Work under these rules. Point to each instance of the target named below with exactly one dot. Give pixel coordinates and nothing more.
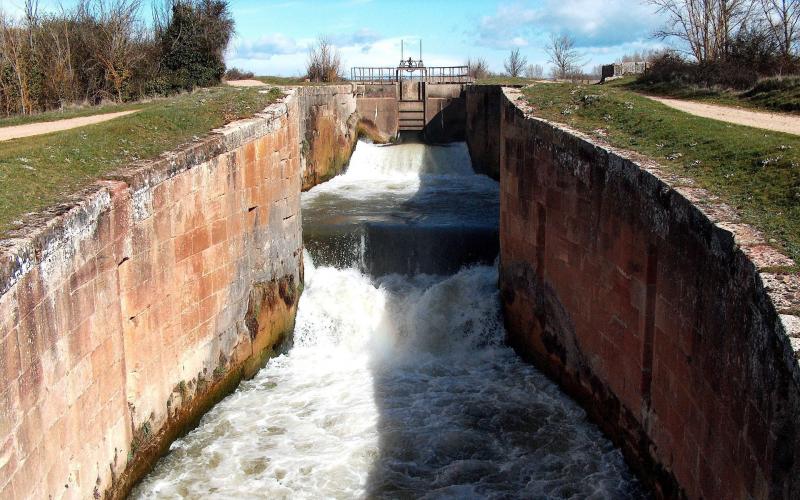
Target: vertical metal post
(402, 43)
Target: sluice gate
(413, 97)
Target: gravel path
(31, 129)
(245, 83)
(778, 122)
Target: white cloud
(362, 37)
(590, 22)
(508, 27)
(361, 50)
(266, 47)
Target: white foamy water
(396, 387)
(410, 185)
(396, 160)
(378, 170)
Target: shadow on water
(450, 220)
(458, 414)
(399, 384)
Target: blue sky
(273, 35)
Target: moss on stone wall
(328, 148)
(367, 129)
(270, 321)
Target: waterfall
(412, 208)
(398, 384)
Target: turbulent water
(396, 386)
(404, 208)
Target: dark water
(424, 211)
(399, 384)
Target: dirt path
(31, 129)
(246, 83)
(778, 122)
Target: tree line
(730, 43)
(718, 42)
(104, 50)
(567, 63)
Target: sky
(273, 36)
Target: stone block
(719, 346)
(201, 239)
(122, 316)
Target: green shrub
(194, 41)
(238, 74)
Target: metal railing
(373, 75)
(430, 74)
(448, 74)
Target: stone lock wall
(128, 315)
(483, 105)
(445, 116)
(651, 304)
(328, 131)
(378, 110)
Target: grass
(294, 81)
(755, 171)
(37, 172)
(505, 80)
(769, 94)
(282, 80)
(780, 94)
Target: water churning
(398, 383)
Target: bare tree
(15, 54)
(566, 59)
(648, 55)
(100, 49)
(515, 63)
(731, 16)
(782, 18)
(477, 67)
(705, 26)
(534, 71)
(116, 39)
(324, 62)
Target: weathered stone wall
(127, 316)
(328, 131)
(445, 113)
(650, 302)
(622, 69)
(381, 113)
(483, 105)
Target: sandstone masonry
(649, 302)
(129, 312)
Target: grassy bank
(37, 172)
(283, 80)
(772, 94)
(756, 171)
(504, 80)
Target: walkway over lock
(408, 97)
(433, 74)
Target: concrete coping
(782, 289)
